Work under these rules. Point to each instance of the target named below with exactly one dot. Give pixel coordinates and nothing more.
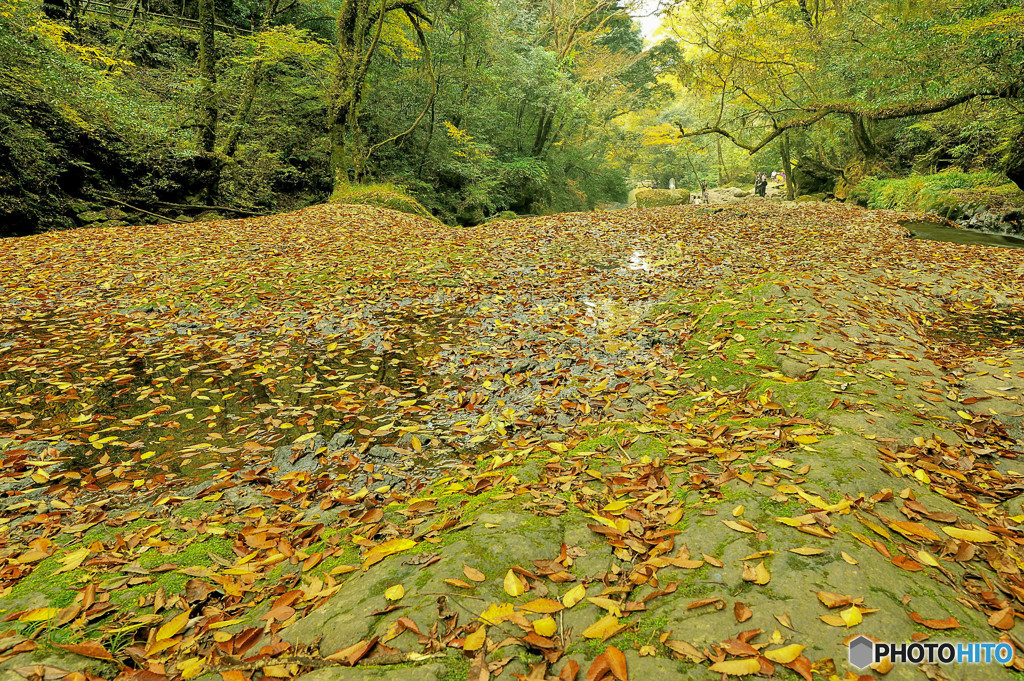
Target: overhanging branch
(890, 112)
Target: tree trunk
(721, 163)
(207, 78)
(252, 84)
(1014, 161)
(787, 167)
(207, 118)
(861, 137)
(543, 130)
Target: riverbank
(709, 438)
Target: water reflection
(935, 231)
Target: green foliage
(931, 192)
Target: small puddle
(935, 231)
(183, 405)
(993, 327)
(638, 262)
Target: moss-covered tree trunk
(206, 119)
(359, 27)
(1014, 160)
(252, 85)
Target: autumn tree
(768, 69)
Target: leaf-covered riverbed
(658, 444)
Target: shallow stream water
(936, 231)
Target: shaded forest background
(466, 109)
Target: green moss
(656, 198)
(456, 668)
(934, 192)
(382, 196)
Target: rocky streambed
(680, 442)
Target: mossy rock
(503, 215)
(381, 196)
(809, 198)
(657, 198)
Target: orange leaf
(617, 662)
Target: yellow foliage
(665, 134)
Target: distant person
(775, 175)
(704, 191)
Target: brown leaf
(87, 649)
(599, 668)
(906, 563)
(685, 650)
(1002, 619)
(569, 671)
(948, 623)
(741, 612)
(473, 574)
(830, 599)
(617, 662)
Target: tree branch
(822, 109)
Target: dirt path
(681, 441)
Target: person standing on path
(704, 192)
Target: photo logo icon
(862, 652)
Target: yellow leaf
(191, 668)
(785, 655)
(807, 551)
(737, 512)
(73, 560)
(758, 575)
(394, 593)
(970, 535)
(476, 640)
(737, 667)
(603, 628)
(227, 623)
(852, 616)
(38, 615)
(574, 595)
(848, 558)
(496, 613)
(806, 439)
(514, 586)
(546, 626)
(927, 558)
(173, 627)
(606, 604)
(542, 606)
(382, 551)
(740, 527)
